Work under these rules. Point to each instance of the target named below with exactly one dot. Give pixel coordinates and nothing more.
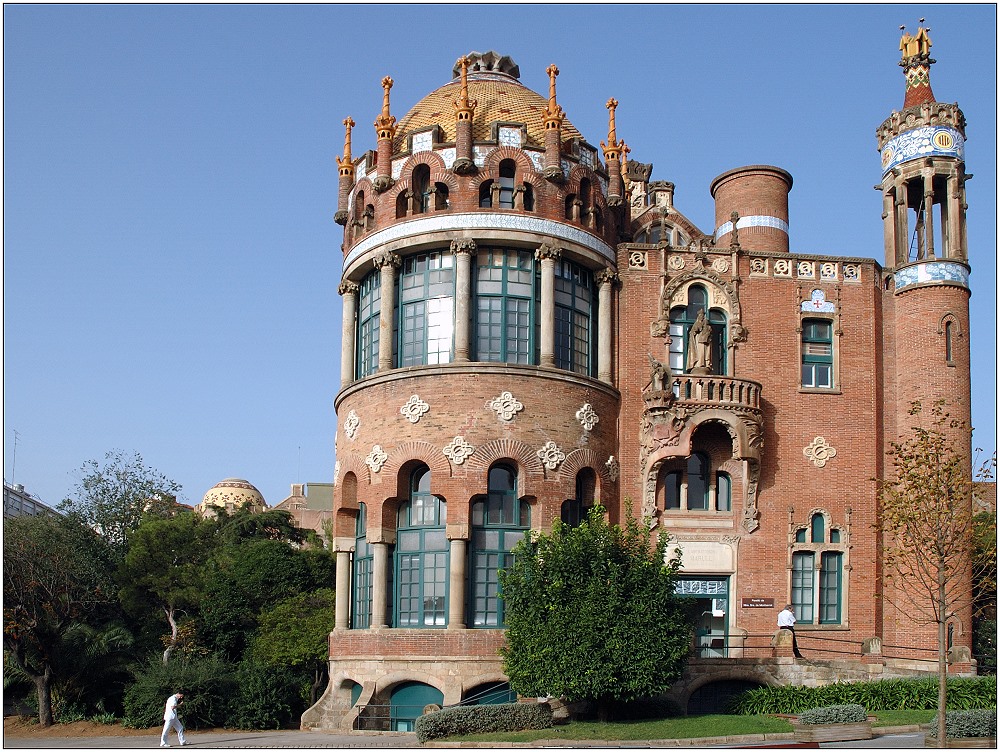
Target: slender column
(606, 279)
(684, 496)
(380, 584)
(464, 250)
(342, 610)
(548, 255)
(348, 338)
(902, 233)
(711, 496)
(386, 263)
(954, 244)
(456, 584)
(929, 213)
(889, 228)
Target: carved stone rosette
(351, 424)
(458, 450)
(551, 455)
(414, 408)
(506, 406)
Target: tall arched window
(689, 486)
(420, 184)
(948, 344)
(574, 511)
(498, 523)
(723, 492)
(682, 318)
(574, 300)
(370, 297)
(421, 567)
(426, 305)
(505, 299)
(361, 618)
(507, 172)
(817, 592)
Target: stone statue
(660, 375)
(699, 358)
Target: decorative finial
(913, 45)
(613, 146)
(385, 123)
(463, 106)
(553, 112)
(346, 160)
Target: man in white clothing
(171, 721)
(786, 620)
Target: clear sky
(170, 257)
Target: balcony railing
(724, 391)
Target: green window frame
(361, 616)
(369, 303)
(817, 354)
(830, 582)
(499, 522)
(506, 301)
(723, 492)
(817, 527)
(420, 573)
(803, 575)
(574, 304)
(425, 309)
(682, 318)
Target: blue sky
(170, 256)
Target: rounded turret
(758, 194)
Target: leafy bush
(885, 694)
(105, 719)
(207, 683)
(984, 646)
(835, 714)
(483, 719)
(266, 699)
(962, 724)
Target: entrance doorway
(710, 596)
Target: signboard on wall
(757, 603)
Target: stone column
(889, 226)
(348, 338)
(387, 263)
(342, 619)
(380, 584)
(606, 278)
(548, 255)
(929, 213)
(456, 583)
(464, 251)
(902, 226)
(954, 234)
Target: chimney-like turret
(385, 130)
(554, 117)
(464, 110)
(612, 157)
(346, 165)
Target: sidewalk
(900, 738)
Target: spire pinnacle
(345, 161)
(916, 63)
(612, 148)
(385, 124)
(463, 106)
(553, 113)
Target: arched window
(818, 526)
(426, 309)
(506, 295)
(421, 566)
(584, 197)
(672, 489)
(948, 345)
(697, 482)
(361, 618)
(441, 200)
(570, 206)
(817, 592)
(369, 303)
(499, 522)
(486, 194)
(690, 485)
(420, 184)
(575, 510)
(402, 204)
(682, 319)
(528, 197)
(507, 172)
(574, 299)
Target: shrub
(265, 699)
(105, 719)
(483, 719)
(835, 714)
(963, 724)
(207, 683)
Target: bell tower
(926, 281)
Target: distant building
(311, 506)
(18, 502)
(231, 494)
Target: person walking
(786, 620)
(171, 721)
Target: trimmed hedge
(483, 719)
(963, 724)
(835, 714)
(884, 694)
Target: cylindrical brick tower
(759, 194)
(926, 287)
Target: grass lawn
(902, 717)
(691, 727)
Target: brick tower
(926, 277)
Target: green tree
(164, 569)
(592, 614)
(928, 531)
(295, 633)
(112, 497)
(57, 574)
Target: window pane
(697, 480)
(672, 490)
(829, 588)
(802, 586)
(723, 493)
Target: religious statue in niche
(699, 359)
(660, 375)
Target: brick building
(531, 325)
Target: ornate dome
(499, 96)
(232, 494)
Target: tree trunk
(942, 659)
(43, 687)
(169, 611)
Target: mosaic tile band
(935, 271)
(754, 221)
(470, 223)
(930, 140)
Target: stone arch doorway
(407, 703)
(716, 696)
